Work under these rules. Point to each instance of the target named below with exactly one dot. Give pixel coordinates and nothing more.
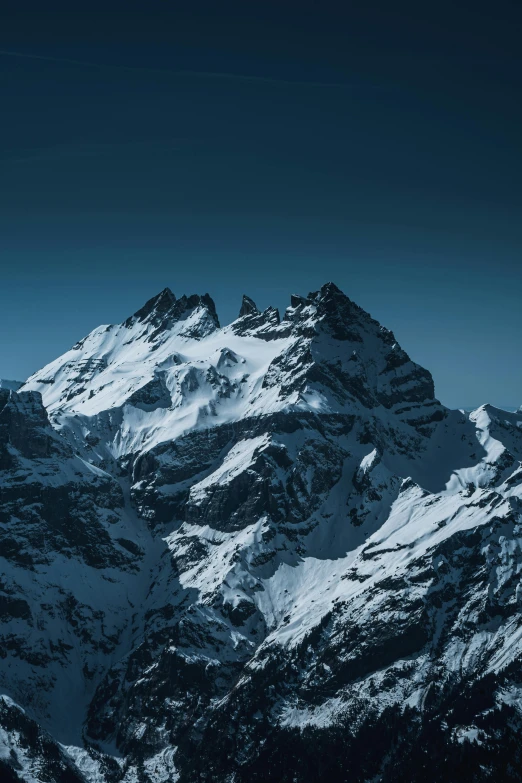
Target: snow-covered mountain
(258, 552)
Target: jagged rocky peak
(248, 307)
(251, 321)
(165, 309)
(159, 304)
(342, 350)
(330, 306)
(330, 310)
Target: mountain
(256, 552)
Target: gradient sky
(266, 148)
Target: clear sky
(266, 148)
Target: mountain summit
(263, 551)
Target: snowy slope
(272, 538)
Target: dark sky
(266, 147)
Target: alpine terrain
(258, 552)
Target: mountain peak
(329, 290)
(164, 309)
(248, 307)
(206, 301)
(256, 323)
(330, 297)
(159, 304)
(329, 304)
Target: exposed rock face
(258, 552)
(248, 307)
(164, 310)
(62, 539)
(25, 431)
(251, 320)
